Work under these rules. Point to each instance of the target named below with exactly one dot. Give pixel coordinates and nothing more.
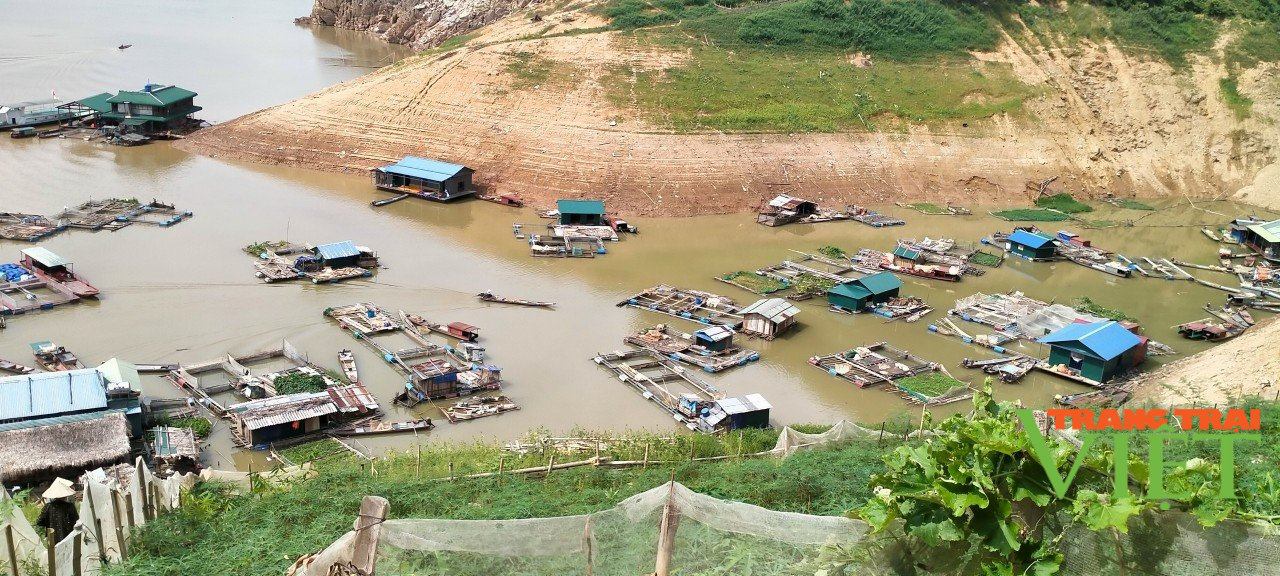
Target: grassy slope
(261, 534)
(785, 66)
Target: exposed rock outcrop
(418, 23)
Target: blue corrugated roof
(57, 420)
(424, 168)
(345, 249)
(1034, 241)
(51, 393)
(1106, 340)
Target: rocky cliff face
(418, 23)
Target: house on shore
(1098, 351)
(425, 178)
(61, 423)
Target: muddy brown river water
(187, 293)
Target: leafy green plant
(806, 283)
(1238, 103)
(1088, 306)
(985, 259)
(1031, 215)
(296, 383)
(928, 208)
(1063, 203)
(832, 252)
(928, 385)
(755, 282)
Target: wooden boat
(620, 225)
(55, 269)
(348, 362)
(1211, 234)
(459, 330)
(489, 297)
(385, 201)
(24, 132)
(549, 214)
(15, 368)
(503, 199)
(1210, 331)
(54, 358)
(474, 408)
(384, 428)
(51, 133)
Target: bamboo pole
(551, 462)
(502, 461)
(77, 554)
(115, 510)
(51, 552)
(587, 539)
(102, 546)
(128, 510)
(667, 533)
(417, 467)
(13, 554)
(645, 466)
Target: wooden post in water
(667, 532)
(51, 552)
(12, 552)
(373, 512)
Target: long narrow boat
(460, 330)
(55, 269)
(489, 297)
(384, 428)
(15, 368)
(54, 358)
(348, 362)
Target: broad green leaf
(996, 533)
(997, 568)
(959, 497)
(1099, 512)
(878, 513)
(933, 533)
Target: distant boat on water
(124, 46)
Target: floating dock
(683, 348)
(27, 227)
(33, 294)
(877, 363)
(695, 305)
(475, 408)
(873, 218)
(650, 374)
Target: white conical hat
(61, 488)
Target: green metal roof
(45, 257)
(580, 206)
(880, 283)
(904, 252)
(1269, 232)
(98, 102)
(156, 96)
(849, 291)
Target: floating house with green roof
(581, 212)
(856, 295)
(1265, 238)
(153, 109)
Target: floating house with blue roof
(1096, 350)
(425, 178)
(1031, 245)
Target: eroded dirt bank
(1104, 122)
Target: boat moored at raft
(54, 358)
(348, 362)
(54, 269)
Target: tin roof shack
(1031, 246)
(784, 210)
(581, 212)
(345, 254)
(856, 295)
(153, 109)
(750, 411)
(124, 392)
(1265, 238)
(266, 420)
(768, 318)
(714, 338)
(33, 451)
(50, 267)
(51, 394)
(425, 178)
(174, 451)
(1097, 351)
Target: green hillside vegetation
(216, 533)
(786, 66)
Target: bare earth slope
(1248, 365)
(1105, 122)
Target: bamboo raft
(877, 363)
(682, 348)
(695, 305)
(475, 408)
(27, 227)
(649, 373)
(873, 218)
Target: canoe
(384, 428)
(348, 362)
(489, 297)
(385, 201)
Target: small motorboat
(54, 358)
(24, 132)
(503, 199)
(124, 46)
(348, 362)
(15, 368)
(489, 297)
(459, 330)
(384, 428)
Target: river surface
(187, 293)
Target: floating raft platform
(276, 268)
(33, 294)
(877, 363)
(551, 246)
(597, 232)
(683, 348)
(873, 218)
(476, 408)
(27, 227)
(695, 305)
(115, 213)
(364, 319)
(649, 373)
